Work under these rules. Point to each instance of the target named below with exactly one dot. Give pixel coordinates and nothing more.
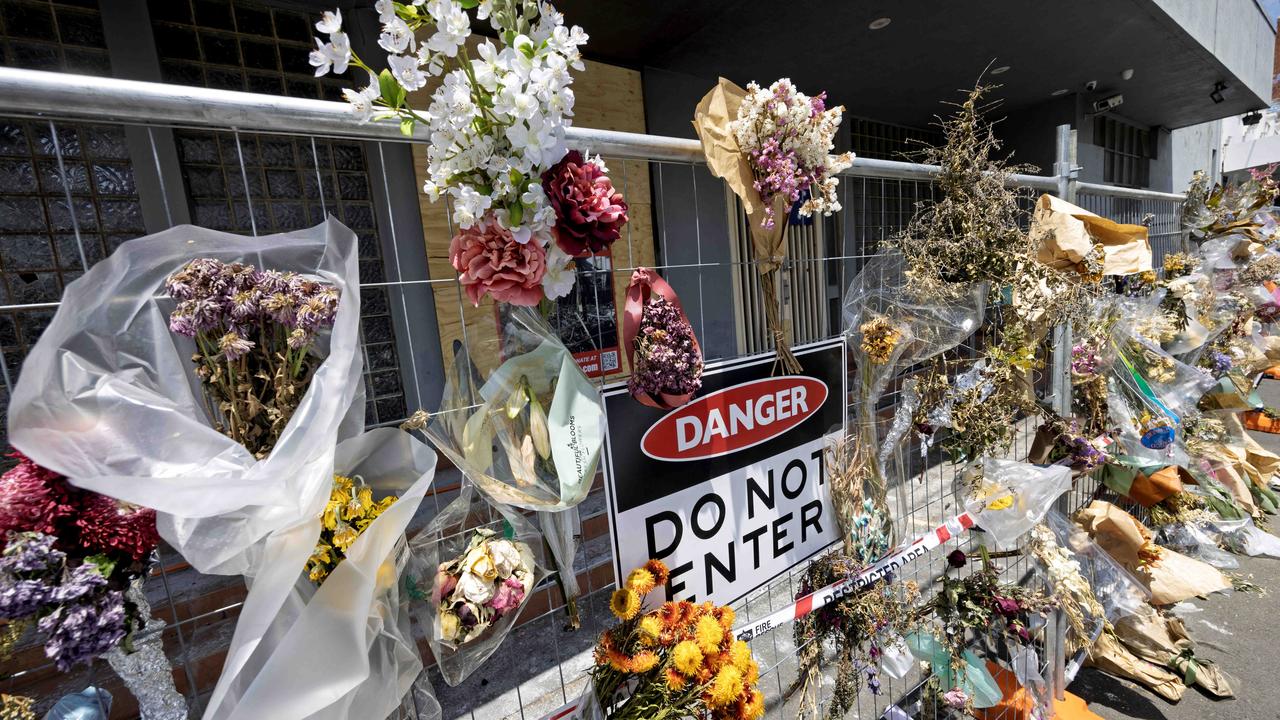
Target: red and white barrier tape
(887, 565)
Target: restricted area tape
(955, 527)
(887, 565)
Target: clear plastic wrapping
(1015, 496)
(344, 649)
(108, 397)
(528, 431)
(448, 538)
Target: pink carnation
(509, 596)
(107, 525)
(34, 499)
(489, 260)
(589, 212)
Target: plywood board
(608, 98)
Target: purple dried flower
(1220, 362)
(21, 598)
(282, 307)
(299, 339)
(205, 312)
(31, 553)
(316, 312)
(233, 346)
(244, 305)
(1084, 360)
(240, 277)
(81, 581)
(80, 632)
(666, 360)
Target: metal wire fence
(541, 665)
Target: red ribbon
(644, 284)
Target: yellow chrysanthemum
(753, 673)
(650, 629)
(640, 581)
(708, 634)
(643, 661)
(625, 603)
(687, 657)
(740, 655)
(726, 687)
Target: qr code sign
(609, 361)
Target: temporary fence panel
(541, 666)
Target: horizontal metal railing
(50, 94)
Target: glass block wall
(51, 230)
(291, 183)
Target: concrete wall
(1193, 148)
(1237, 32)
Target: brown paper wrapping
(1163, 640)
(713, 121)
(1110, 656)
(1174, 578)
(1147, 490)
(1065, 234)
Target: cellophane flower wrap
(662, 349)
(523, 204)
(110, 398)
(341, 648)
(523, 422)
(472, 570)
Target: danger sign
(729, 490)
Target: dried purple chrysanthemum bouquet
(254, 330)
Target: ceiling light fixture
(1216, 94)
(1126, 74)
(1000, 70)
(1059, 92)
(880, 23)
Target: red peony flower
(107, 524)
(489, 260)
(34, 499)
(589, 212)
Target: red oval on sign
(734, 418)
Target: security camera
(1108, 103)
(1091, 85)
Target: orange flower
(658, 570)
(675, 680)
(643, 661)
(726, 616)
(751, 705)
(753, 673)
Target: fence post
(1066, 172)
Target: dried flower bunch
(978, 601)
(1072, 593)
(667, 359)
(973, 233)
(254, 331)
(1072, 447)
(1261, 269)
(1089, 398)
(859, 497)
(1230, 209)
(680, 660)
(351, 509)
(68, 556)
(17, 707)
(856, 627)
(524, 206)
(787, 136)
(487, 582)
(879, 339)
